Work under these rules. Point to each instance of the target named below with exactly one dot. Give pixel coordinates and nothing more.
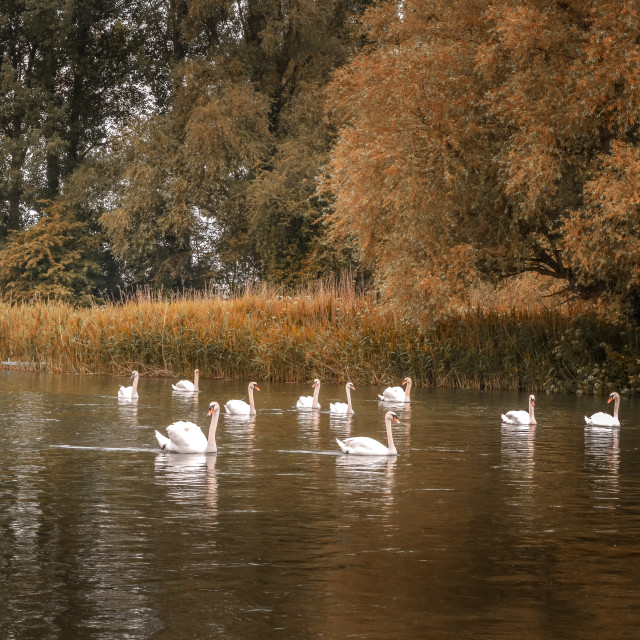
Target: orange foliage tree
(480, 141)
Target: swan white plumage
(363, 446)
(343, 407)
(397, 394)
(310, 402)
(602, 419)
(187, 437)
(521, 416)
(240, 407)
(130, 393)
(186, 386)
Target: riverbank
(333, 334)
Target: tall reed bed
(330, 332)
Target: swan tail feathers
(381, 397)
(342, 446)
(163, 441)
(504, 418)
(587, 420)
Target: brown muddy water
(474, 530)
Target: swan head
(213, 407)
(407, 380)
(134, 374)
(392, 416)
(316, 382)
(613, 396)
(254, 385)
(532, 400)
(197, 372)
(350, 386)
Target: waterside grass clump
(330, 333)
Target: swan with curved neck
(341, 407)
(187, 437)
(602, 419)
(130, 393)
(397, 394)
(186, 386)
(310, 402)
(363, 446)
(521, 416)
(240, 407)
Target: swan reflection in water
(243, 427)
(518, 449)
(128, 409)
(340, 424)
(309, 423)
(185, 399)
(367, 478)
(188, 476)
(602, 458)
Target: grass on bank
(332, 333)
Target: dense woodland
(427, 147)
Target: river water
(475, 530)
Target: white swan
(397, 394)
(521, 416)
(602, 419)
(240, 407)
(341, 407)
(310, 402)
(186, 386)
(187, 437)
(368, 446)
(130, 393)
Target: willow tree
(480, 141)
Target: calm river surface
(475, 530)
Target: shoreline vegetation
(330, 332)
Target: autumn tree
(221, 184)
(479, 141)
(181, 193)
(52, 260)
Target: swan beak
(395, 419)
(609, 400)
(256, 387)
(533, 403)
(210, 411)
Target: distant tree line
(432, 145)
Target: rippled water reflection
(475, 530)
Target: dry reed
(330, 332)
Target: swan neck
(195, 382)
(252, 405)
(211, 440)
(349, 400)
(316, 393)
(616, 406)
(532, 418)
(134, 386)
(407, 392)
(392, 446)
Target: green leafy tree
(72, 73)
